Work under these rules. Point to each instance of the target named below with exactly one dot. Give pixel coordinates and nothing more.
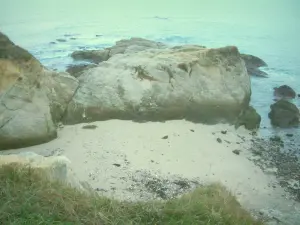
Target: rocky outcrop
(29, 95)
(284, 92)
(140, 80)
(284, 114)
(253, 63)
(56, 168)
(146, 83)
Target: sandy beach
(116, 158)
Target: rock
(123, 46)
(77, 70)
(219, 140)
(256, 72)
(60, 88)
(284, 114)
(93, 56)
(31, 97)
(157, 84)
(284, 92)
(90, 127)
(56, 168)
(276, 140)
(253, 63)
(25, 116)
(237, 152)
(61, 40)
(249, 118)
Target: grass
(27, 197)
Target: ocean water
(267, 29)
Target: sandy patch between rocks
(116, 155)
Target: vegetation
(27, 197)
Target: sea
(269, 29)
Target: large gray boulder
(161, 83)
(31, 97)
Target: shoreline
(154, 160)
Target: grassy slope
(26, 197)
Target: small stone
(152, 161)
(192, 130)
(165, 137)
(219, 140)
(237, 152)
(89, 127)
(253, 133)
(275, 139)
(117, 164)
(61, 40)
(100, 189)
(289, 135)
(224, 131)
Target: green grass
(27, 197)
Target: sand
(115, 156)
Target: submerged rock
(284, 114)
(31, 97)
(192, 82)
(252, 64)
(285, 92)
